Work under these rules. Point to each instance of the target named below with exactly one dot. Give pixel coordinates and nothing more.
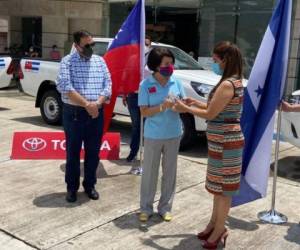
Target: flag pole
(142, 142)
(272, 216)
(142, 59)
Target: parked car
(40, 75)
(4, 77)
(290, 123)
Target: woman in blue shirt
(162, 132)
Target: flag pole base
(272, 217)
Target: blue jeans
(80, 127)
(135, 115)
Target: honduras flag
(125, 57)
(262, 96)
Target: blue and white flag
(2, 63)
(262, 96)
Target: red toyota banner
(52, 145)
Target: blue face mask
(217, 69)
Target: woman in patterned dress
(224, 136)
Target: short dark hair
(156, 55)
(148, 37)
(80, 34)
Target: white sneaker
(136, 170)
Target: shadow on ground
(188, 242)
(10, 91)
(37, 121)
(292, 234)
(198, 147)
(118, 125)
(236, 223)
(4, 109)
(289, 168)
(131, 221)
(101, 172)
(56, 200)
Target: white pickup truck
(40, 75)
(4, 77)
(290, 123)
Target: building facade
(43, 23)
(192, 25)
(197, 25)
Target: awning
(165, 3)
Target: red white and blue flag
(2, 63)
(32, 66)
(125, 57)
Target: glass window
(253, 20)
(217, 23)
(183, 60)
(100, 48)
(241, 21)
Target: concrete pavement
(34, 214)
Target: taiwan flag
(125, 58)
(32, 66)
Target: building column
(3, 33)
(207, 31)
(55, 31)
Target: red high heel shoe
(204, 236)
(213, 245)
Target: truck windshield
(100, 48)
(183, 60)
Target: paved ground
(34, 214)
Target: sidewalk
(34, 214)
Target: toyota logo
(34, 144)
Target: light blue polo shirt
(166, 124)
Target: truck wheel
(51, 107)
(188, 131)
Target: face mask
(217, 69)
(87, 50)
(166, 71)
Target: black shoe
(92, 194)
(130, 157)
(71, 196)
